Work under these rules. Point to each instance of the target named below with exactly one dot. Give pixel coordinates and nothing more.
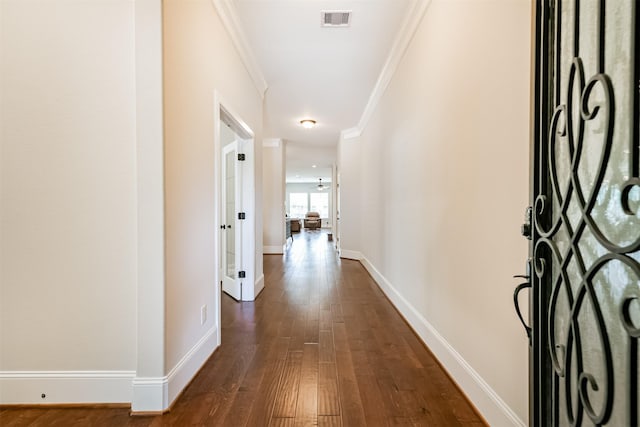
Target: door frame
(539, 120)
(335, 194)
(223, 111)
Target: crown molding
(407, 30)
(272, 142)
(227, 12)
(350, 133)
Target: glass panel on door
(231, 228)
(230, 212)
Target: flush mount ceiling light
(308, 123)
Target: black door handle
(229, 226)
(516, 304)
(222, 227)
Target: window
(320, 204)
(298, 205)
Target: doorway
(236, 203)
(336, 211)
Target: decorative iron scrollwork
(585, 251)
(572, 276)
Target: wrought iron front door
(585, 248)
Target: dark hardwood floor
(320, 346)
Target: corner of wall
(259, 285)
(149, 395)
(228, 16)
(350, 133)
(271, 142)
(148, 384)
(350, 254)
(273, 250)
(157, 394)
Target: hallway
(320, 346)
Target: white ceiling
(302, 157)
(326, 74)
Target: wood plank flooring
(320, 346)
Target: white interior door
(337, 213)
(230, 225)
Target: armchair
(312, 220)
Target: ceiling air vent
(336, 18)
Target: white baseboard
(345, 253)
(272, 250)
(259, 286)
(150, 394)
(60, 387)
(181, 374)
(157, 394)
(486, 400)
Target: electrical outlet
(203, 314)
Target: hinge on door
(242, 215)
(241, 157)
(242, 274)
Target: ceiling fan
(321, 186)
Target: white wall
(441, 189)
(273, 177)
(68, 199)
(199, 57)
(82, 301)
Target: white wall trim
(150, 327)
(348, 254)
(259, 286)
(181, 374)
(272, 143)
(150, 394)
(157, 394)
(26, 387)
(229, 17)
(351, 132)
(403, 38)
(272, 250)
(491, 406)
